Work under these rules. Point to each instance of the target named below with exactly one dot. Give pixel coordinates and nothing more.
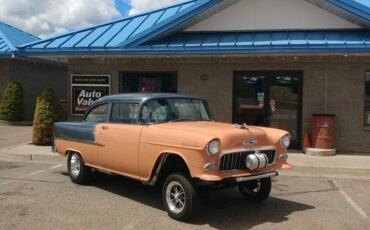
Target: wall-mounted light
(204, 77)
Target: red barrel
(323, 131)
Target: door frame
(267, 83)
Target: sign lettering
(86, 90)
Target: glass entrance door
(271, 99)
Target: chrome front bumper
(256, 177)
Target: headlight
(285, 141)
(213, 147)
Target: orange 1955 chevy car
(172, 139)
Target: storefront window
(141, 82)
(367, 100)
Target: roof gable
(265, 15)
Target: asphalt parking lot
(41, 196)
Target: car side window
(156, 111)
(124, 112)
(98, 114)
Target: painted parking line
(34, 173)
(349, 200)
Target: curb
(320, 152)
(30, 156)
(358, 173)
(16, 123)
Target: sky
(45, 18)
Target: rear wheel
(179, 197)
(78, 171)
(256, 190)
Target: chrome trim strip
(261, 176)
(82, 141)
(245, 150)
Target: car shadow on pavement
(224, 209)
(228, 210)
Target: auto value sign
(86, 89)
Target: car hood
(231, 137)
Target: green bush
(48, 110)
(12, 104)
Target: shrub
(48, 110)
(12, 105)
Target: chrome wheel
(75, 165)
(175, 197)
(253, 188)
(256, 191)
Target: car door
(88, 130)
(119, 139)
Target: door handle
(104, 127)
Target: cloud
(139, 6)
(44, 18)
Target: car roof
(143, 97)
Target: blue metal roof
(325, 41)
(11, 37)
(125, 31)
(5, 47)
(140, 34)
(360, 8)
(262, 42)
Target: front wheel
(77, 170)
(179, 197)
(256, 190)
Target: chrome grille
(236, 161)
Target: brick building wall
(34, 76)
(332, 84)
(4, 75)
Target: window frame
(96, 106)
(366, 113)
(124, 102)
(143, 103)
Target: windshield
(174, 110)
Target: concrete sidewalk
(345, 165)
(28, 151)
(349, 166)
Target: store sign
(149, 84)
(86, 89)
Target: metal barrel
(323, 131)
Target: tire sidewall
(191, 198)
(80, 178)
(261, 195)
